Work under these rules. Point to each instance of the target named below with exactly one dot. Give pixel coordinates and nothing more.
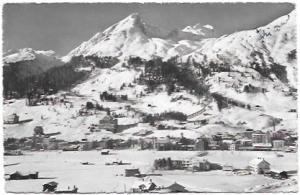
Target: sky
(62, 27)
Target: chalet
(12, 119)
(109, 123)
(143, 186)
(50, 186)
(259, 165)
(132, 172)
(277, 174)
(175, 188)
(180, 164)
(204, 165)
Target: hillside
(243, 80)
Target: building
(278, 144)
(201, 144)
(204, 165)
(234, 146)
(259, 165)
(132, 172)
(143, 186)
(262, 147)
(12, 119)
(201, 166)
(279, 135)
(259, 137)
(50, 186)
(109, 123)
(214, 145)
(175, 188)
(146, 143)
(163, 143)
(248, 133)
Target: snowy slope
(264, 45)
(133, 37)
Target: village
(120, 120)
(278, 143)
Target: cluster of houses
(36, 99)
(190, 165)
(280, 140)
(256, 166)
(48, 141)
(115, 125)
(145, 186)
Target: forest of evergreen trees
(16, 85)
(172, 72)
(54, 79)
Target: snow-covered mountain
(205, 30)
(133, 37)
(25, 54)
(252, 71)
(273, 43)
(264, 46)
(29, 61)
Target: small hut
(132, 172)
(50, 187)
(175, 187)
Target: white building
(259, 165)
(278, 144)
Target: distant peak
(208, 26)
(199, 29)
(134, 15)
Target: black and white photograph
(138, 97)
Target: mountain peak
(199, 29)
(134, 15)
(132, 19)
(24, 54)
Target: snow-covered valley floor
(67, 169)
